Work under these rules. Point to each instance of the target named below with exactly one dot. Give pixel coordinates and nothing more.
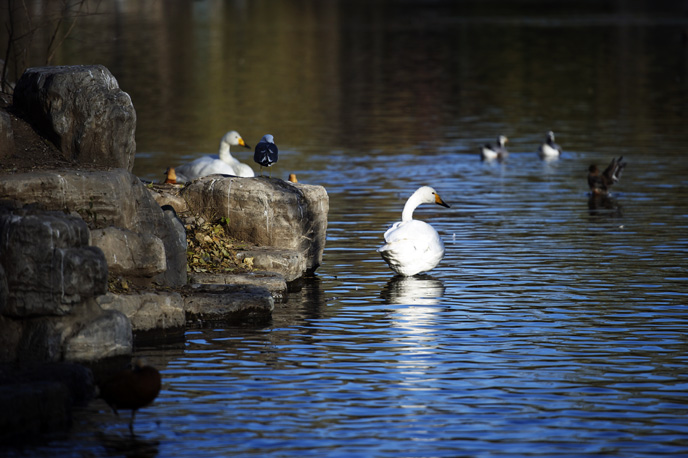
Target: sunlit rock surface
(82, 110)
(128, 252)
(268, 213)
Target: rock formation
(61, 101)
(73, 218)
(117, 229)
(52, 278)
(109, 200)
(289, 217)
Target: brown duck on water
(600, 183)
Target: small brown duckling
(292, 178)
(170, 176)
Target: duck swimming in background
(413, 246)
(600, 183)
(223, 163)
(266, 152)
(549, 149)
(131, 388)
(489, 152)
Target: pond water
(554, 326)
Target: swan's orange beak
(243, 143)
(439, 201)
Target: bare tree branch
(22, 30)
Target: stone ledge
(155, 316)
(272, 281)
(290, 264)
(103, 199)
(229, 304)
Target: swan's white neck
(225, 155)
(411, 204)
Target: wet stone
(273, 282)
(229, 304)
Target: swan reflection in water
(415, 319)
(416, 290)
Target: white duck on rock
(222, 163)
(413, 246)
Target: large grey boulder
(291, 264)
(82, 110)
(103, 199)
(90, 335)
(266, 212)
(52, 278)
(106, 334)
(173, 235)
(129, 252)
(48, 266)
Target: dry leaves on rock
(211, 249)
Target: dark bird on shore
(490, 152)
(266, 152)
(549, 149)
(600, 183)
(131, 389)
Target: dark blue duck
(266, 152)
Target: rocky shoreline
(94, 262)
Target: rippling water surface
(554, 326)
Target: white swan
(223, 163)
(413, 246)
